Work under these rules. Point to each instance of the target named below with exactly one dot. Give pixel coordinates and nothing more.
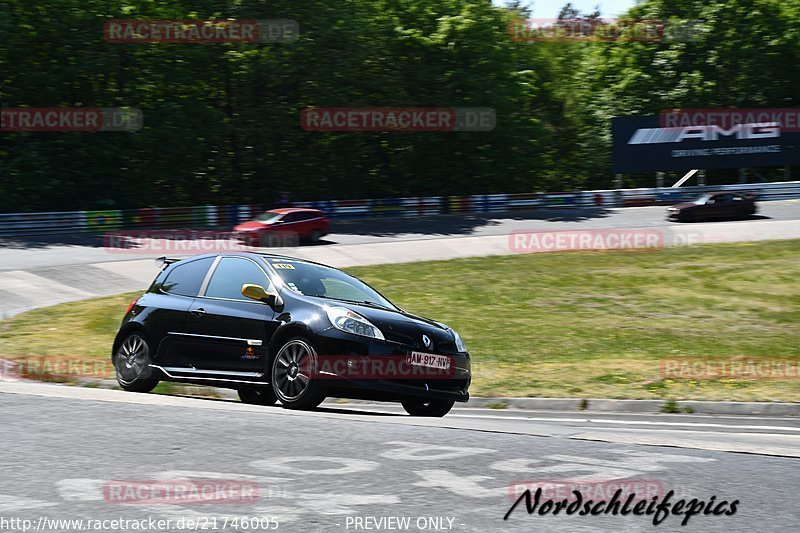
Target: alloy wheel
(291, 373)
(132, 358)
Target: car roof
(300, 259)
(287, 210)
(171, 262)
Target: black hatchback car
(720, 205)
(281, 328)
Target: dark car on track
(714, 206)
(281, 328)
(282, 226)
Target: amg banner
(647, 144)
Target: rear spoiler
(162, 262)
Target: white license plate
(429, 360)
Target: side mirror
(257, 293)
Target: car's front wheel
(293, 375)
(434, 408)
(132, 364)
(257, 395)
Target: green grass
(588, 324)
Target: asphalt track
(335, 468)
(42, 272)
(360, 467)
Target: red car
(284, 227)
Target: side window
(185, 278)
(292, 217)
(231, 274)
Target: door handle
(198, 312)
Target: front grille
(415, 343)
(400, 338)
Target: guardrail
(210, 216)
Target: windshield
(703, 199)
(269, 216)
(310, 279)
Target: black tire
(432, 408)
(257, 395)
(315, 236)
(292, 375)
(132, 364)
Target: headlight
(351, 322)
(459, 343)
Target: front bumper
(359, 367)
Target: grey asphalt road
(38, 274)
(355, 468)
(46, 252)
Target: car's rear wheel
(293, 375)
(132, 364)
(315, 236)
(433, 408)
(257, 395)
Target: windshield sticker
(284, 266)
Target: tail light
(130, 305)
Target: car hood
(405, 328)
